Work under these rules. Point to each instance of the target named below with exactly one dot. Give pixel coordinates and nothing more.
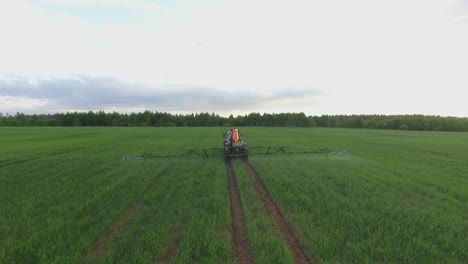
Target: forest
(158, 119)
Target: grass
(61, 192)
(173, 209)
(400, 196)
(266, 242)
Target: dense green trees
(148, 118)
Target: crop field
(398, 197)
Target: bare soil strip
(103, 244)
(239, 231)
(295, 247)
(171, 251)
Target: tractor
(234, 146)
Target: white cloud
(365, 56)
(136, 5)
(86, 92)
(12, 105)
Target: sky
(235, 57)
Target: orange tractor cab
(234, 146)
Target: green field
(399, 197)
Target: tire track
(171, 252)
(121, 225)
(104, 243)
(239, 231)
(297, 250)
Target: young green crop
(63, 189)
(399, 196)
(266, 242)
(174, 213)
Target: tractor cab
(233, 144)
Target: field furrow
(103, 244)
(171, 252)
(297, 250)
(239, 231)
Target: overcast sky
(182, 56)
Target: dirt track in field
(171, 252)
(122, 223)
(103, 244)
(239, 231)
(295, 247)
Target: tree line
(159, 119)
